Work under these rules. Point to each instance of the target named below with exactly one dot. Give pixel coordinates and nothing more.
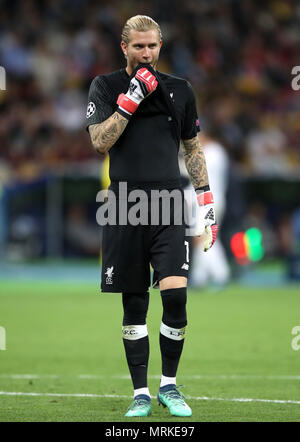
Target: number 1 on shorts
(186, 243)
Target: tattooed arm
(195, 162)
(105, 134)
(196, 167)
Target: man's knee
(135, 306)
(174, 307)
(172, 282)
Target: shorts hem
(183, 273)
(129, 290)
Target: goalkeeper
(139, 115)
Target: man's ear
(124, 48)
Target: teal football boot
(140, 407)
(169, 396)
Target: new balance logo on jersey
(109, 273)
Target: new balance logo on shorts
(109, 273)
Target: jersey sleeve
(99, 106)
(191, 125)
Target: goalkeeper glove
(208, 224)
(141, 86)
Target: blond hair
(141, 23)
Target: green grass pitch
(64, 358)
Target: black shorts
(128, 250)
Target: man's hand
(140, 87)
(208, 224)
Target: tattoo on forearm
(104, 135)
(195, 162)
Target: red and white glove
(208, 224)
(140, 87)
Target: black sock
(137, 355)
(172, 332)
(135, 336)
(170, 355)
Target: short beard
(153, 65)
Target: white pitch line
(88, 395)
(30, 376)
(115, 396)
(272, 401)
(246, 376)
(92, 376)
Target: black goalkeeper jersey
(146, 154)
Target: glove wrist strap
(124, 113)
(126, 104)
(202, 189)
(204, 197)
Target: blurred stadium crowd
(237, 55)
